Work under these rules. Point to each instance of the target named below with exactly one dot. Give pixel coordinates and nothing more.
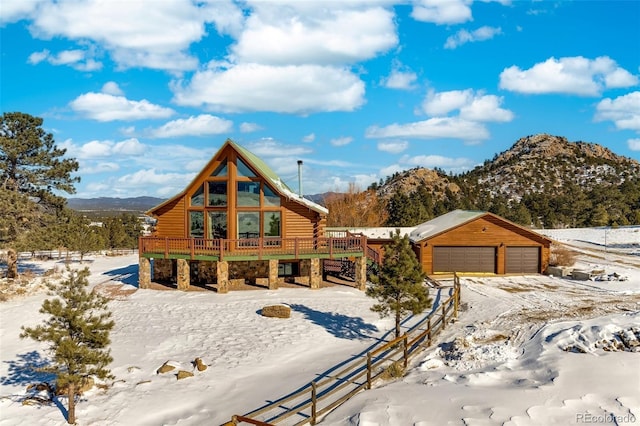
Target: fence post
(166, 248)
(405, 354)
(428, 331)
(368, 370)
(444, 316)
(313, 403)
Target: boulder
(165, 368)
(276, 311)
(182, 374)
(200, 365)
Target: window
(248, 194)
(217, 194)
(221, 170)
(243, 169)
(271, 224)
(196, 224)
(248, 225)
(271, 199)
(197, 199)
(217, 225)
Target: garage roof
(443, 223)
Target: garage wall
(486, 231)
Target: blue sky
(144, 92)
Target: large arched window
(252, 204)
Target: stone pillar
(222, 273)
(361, 273)
(184, 275)
(144, 273)
(273, 274)
(314, 273)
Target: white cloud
(634, 144)
(102, 167)
(472, 106)
(297, 33)
(309, 138)
(442, 11)
(341, 141)
(433, 128)
(292, 89)
(272, 148)
(104, 149)
(106, 107)
(136, 33)
(201, 125)
(464, 36)
(146, 177)
(14, 10)
(249, 127)
(400, 78)
(112, 88)
(571, 75)
(394, 147)
(624, 111)
(76, 59)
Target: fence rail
(313, 401)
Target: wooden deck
(252, 248)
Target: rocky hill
(542, 179)
(549, 163)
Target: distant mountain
(110, 205)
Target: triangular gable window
(221, 170)
(243, 169)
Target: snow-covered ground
(531, 350)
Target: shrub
(561, 255)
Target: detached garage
(478, 242)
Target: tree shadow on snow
(341, 326)
(126, 275)
(24, 370)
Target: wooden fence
(312, 402)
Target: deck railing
(252, 248)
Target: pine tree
(398, 287)
(78, 333)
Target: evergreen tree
(398, 287)
(78, 335)
(30, 162)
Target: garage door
(464, 259)
(522, 260)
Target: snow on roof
(442, 223)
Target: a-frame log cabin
(237, 220)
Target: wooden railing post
(444, 316)
(330, 247)
(313, 403)
(166, 248)
(296, 249)
(368, 370)
(192, 244)
(429, 331)
(221, 242)
(405, 341)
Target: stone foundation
(144, 273)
